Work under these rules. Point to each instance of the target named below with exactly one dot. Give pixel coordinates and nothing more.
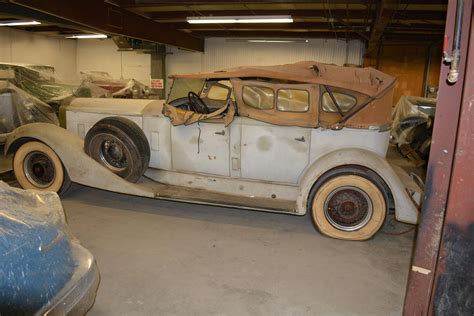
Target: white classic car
(296, 138)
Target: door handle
(300, 139)
(220, 133)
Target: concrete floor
(168, 258)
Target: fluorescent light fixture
(268, 40)
(275, 41)
(19, 23)
(86, 36)
(240, 19)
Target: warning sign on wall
(157, 83)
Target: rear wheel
(348, 205)
(36, 166)
(119, 145)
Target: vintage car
(44, 269)
(295, 138)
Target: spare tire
(120, 145)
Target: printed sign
(157, 84)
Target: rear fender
(406, 209)
(80, 167)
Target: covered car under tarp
(119, 88)
(18, 107)
(40, 81)
(412, 125)
(43, 268)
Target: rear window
(261, 98)
(346, 99)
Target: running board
(201, 196)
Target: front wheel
(119, 145)
(36, 166)
(348, 206)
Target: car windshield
(194, 100)
(200, 95)
(182, 86)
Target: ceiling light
(86, 36)
(19, 23)
(240, 19)
(263, 40)
(275, 41)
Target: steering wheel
(197, 103)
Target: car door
(273, 153)
(272, 148)
(201, 147)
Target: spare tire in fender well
(120, 145)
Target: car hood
(137, 107)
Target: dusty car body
(45, 270)
(297, 138)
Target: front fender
(80, 167)
(405, 210)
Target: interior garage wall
(25, 47)
(406, 62)
(102, 55)
(221, 53)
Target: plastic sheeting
(38, 80)
(89, 90)
(35, 265)
(18, 107)
(30, 208)
(119, 88)
(42, 82)
(413, 123)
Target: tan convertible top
(369, 81)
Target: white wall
(69, 57)
(221, 54)
(27, 47)
(102, 55)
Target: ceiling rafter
(111, 19)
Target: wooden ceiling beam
(324, 14)
(385, 12)
(145, 4)
(111, 19)
(132, 3)
(273, 34)
(362, 27)
(259, 26)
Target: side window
(217, 93)
(346, 100)
(292, 100)
(258, 97)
